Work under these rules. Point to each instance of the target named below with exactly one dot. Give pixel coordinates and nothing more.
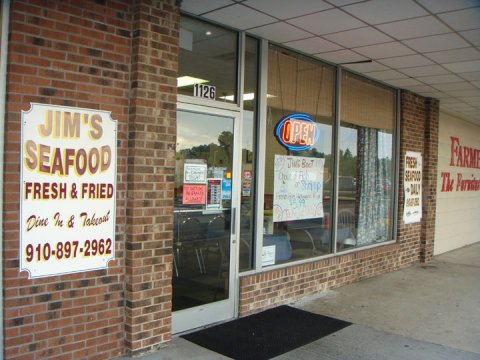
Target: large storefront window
(304, 164)
(297, 201)
(365, 163)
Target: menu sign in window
(298, 188)
(67, 189)
(214, 193)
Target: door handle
(234, 220)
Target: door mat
(267, 334)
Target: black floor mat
(266, 334)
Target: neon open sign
(297, 132)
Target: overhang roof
(431, 47)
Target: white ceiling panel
(285, 9)
(472, 35)
(438, 6)
(433, 94)
(461, 106)
(468, 93)
(473, 100)
(403, 82)
(200, 7)
(425, 71)
(279, 32)
(401, 62)
(342, 56)
(471, 76)
(313, 45)
(413, 28)
(457, 55)
(378, 51)
(358, 37)
(386, 75)
(343, 2)
(436, 43)
(421, 88)
(328, 21)
(383, 11)
(464, 66)
(462, 19)
(464, 85)
(240, 17)
(439, 79)
(367, 67)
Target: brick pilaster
(151, 169)
(412, 131)
(419, 132)
(429, 179)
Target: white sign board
(268, 255)
(195, 173)
(68, 190)
(298, 188)
(412, 212)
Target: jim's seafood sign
(68, 190)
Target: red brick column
(151, 170)
(429, 179)
(412, 130)
(419, 132)
(71, 53)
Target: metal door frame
(195, 317)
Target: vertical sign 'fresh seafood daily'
(412, 211)
(68, 190)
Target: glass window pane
(247, 213)
(202, 210)
(208, 55)
(297, 202)
(366, 166)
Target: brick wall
(418, 132)
(151, 171)
(430, 151)
(80, 54)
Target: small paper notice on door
(268, 255)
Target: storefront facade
(207, 174)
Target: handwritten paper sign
(68, 190)
(195, 173)
(298, 188)
(194, 194)
(412, 212)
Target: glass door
(204, 245)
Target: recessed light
(189, 80)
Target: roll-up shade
(365, 103)
(299, 84)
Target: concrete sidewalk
(438, 303)
(423, 313)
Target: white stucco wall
(458, 212)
